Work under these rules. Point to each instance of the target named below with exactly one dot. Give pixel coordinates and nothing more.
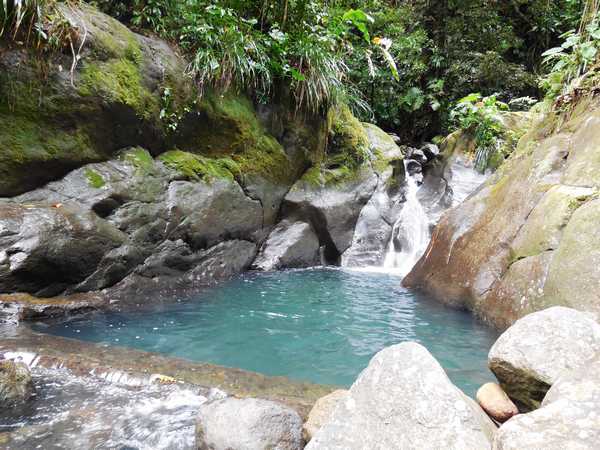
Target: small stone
(322, 411)
(431, 151)
(16, 385)
(495, 402)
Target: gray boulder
(248, 424)
(568, 418)
(289, 245)
(375, 222)
(132, 218)
(430, 150)
(404, 399)
(332, 210)
(16, 385)
(533, 353)
(205, 214)
(44, 249)
(174, 265)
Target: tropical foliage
(574, 57)
(401, 64)
(480, 116)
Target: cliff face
(118, 176)
(530, 237)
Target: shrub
(481, 117)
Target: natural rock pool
(319, 325)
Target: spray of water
(410, 234)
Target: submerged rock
(16, 385)
(568, 418)
(322, 412)
(532, 354)
(248, 424)
(289, 245)
(495, 402)
(404, 399)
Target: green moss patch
(95, 180)
(139, 158)
(118, 81)
(347, 151)
(197, 167)
(33, 151)
(229, 128)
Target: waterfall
(410, 233)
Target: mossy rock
(347, 152)
(197, 167)
(55, 121)
(227, 126)
(543, 229)
(31, 152)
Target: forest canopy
(401, 64)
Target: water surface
(319, 325)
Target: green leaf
(297, 75)
(588, 51)
(471, 98)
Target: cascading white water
(410, 233)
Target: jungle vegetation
(402, 64)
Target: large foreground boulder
(248, 424)
(568, 419)
(404, 399)
(16, 385)
(532, 354)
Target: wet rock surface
(289, 245)
(139, 228)
(15, 308)
(403, 399)
(16, 385)
(533, 353)
(249, 424)
(332, 212)
(134, 367)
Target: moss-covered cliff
(528, 239)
